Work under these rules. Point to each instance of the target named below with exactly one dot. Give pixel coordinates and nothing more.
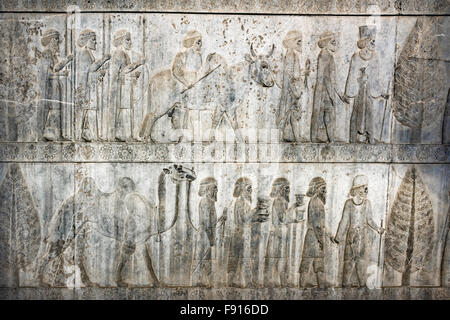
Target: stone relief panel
(120, 77)
(156, 153)
(256, 226)
(416, 226)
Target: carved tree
(418, 103)
(410, 230)
(20, 230)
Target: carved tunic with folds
(119, 99)
(239, 260)
(324, 94)
(316, 229)
(353, 227)
(364, 88)
(87, 87)
(289, 92)
(53, 95)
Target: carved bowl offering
(299, 198)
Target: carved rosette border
(223, 153)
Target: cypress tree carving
(410, 230)
(20, 230)
(418, 103)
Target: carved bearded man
(288, 115)
(276, 256)
(206, 236)
(57, 122)
(312, 267)
(353, 228)
(363, 85)
(323, 119)
(120, 89)
(239, 260)
(87, 94)
(188, 63)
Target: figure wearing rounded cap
(353, 230)
(323, 119)
(363, 84)
(188, 63)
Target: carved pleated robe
(363, 85)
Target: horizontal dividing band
(223, 153)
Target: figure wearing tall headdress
(363, 84)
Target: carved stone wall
(224, 150)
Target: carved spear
(385, 106)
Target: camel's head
(179, 173)
(260, 67)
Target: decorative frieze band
(220, 152)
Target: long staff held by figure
(203, 77)
(379, 249)
(385, 106)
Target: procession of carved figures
(76, 105)
(124, 239)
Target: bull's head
(260, 68)
(179, 173)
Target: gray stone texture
(224, 150)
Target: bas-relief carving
(116, 105)
(20, 228)
(98, 239)
(410, 230)
(363, 85)
(355, 223)
(418, 104)
(180, 105)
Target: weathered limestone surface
(224, 150)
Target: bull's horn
(252, 51)
(271, 51)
